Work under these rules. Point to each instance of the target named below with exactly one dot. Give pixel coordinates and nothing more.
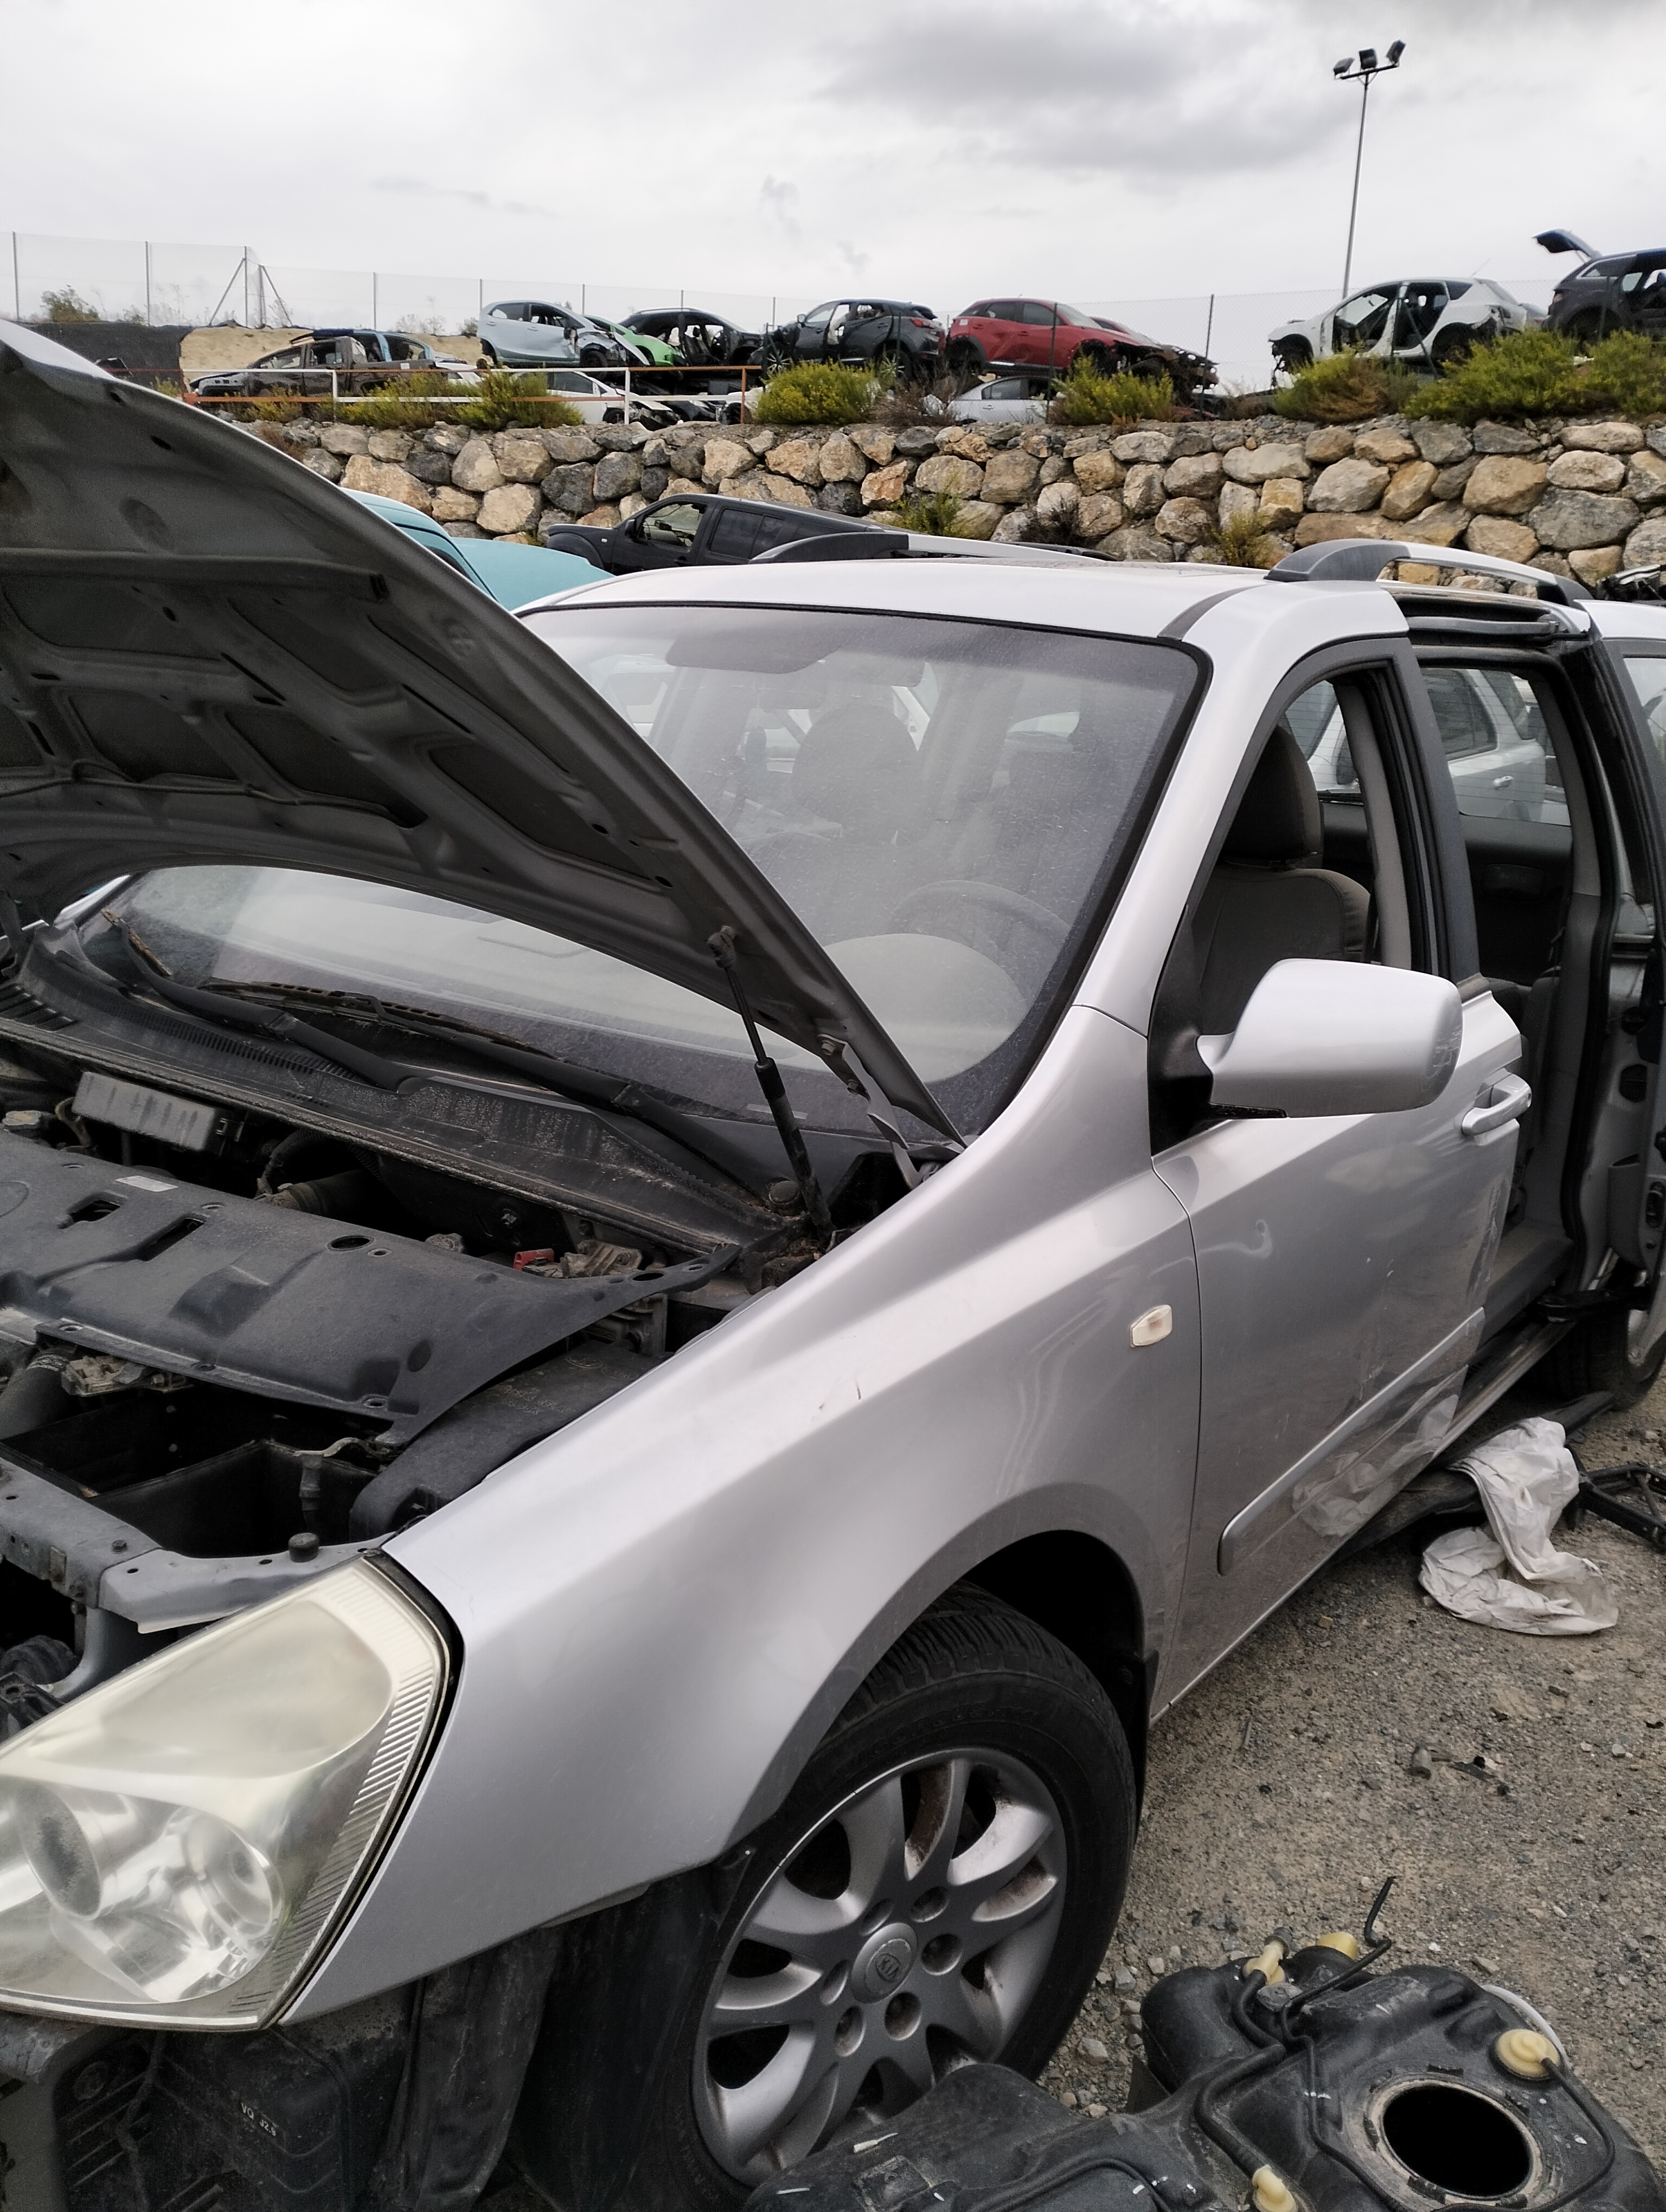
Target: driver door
(1342, 1259)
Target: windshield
(943, 803)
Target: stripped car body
(1024, 1298)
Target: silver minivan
(665, 1266)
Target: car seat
(1267, 900)
(856, 771)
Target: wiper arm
(269, 1021)
(614, 1094)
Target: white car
(1492, 732)
(594, 400)
(1426, 321)
(1001, 399)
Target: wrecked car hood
(207, 654)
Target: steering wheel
(1012, 906)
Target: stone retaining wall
(1580, 498)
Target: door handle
(1499, 781)
(1506, 1100)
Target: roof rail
(879, 543)
(1362, 560)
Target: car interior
(1563, 941)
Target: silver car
(535, 334)
(667, 1264)
(1428, 322)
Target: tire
(1451, 347)
(965, 363)
(1600, 1355)
(1102, 360)
(975, 1717)
(488, 353)
(1294, 356)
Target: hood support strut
(769, 1082)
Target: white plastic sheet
(1510, 1575)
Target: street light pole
(1363, 70)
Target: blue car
(513, 574)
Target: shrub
(1243, 542)
(1543, 373)
(1346, 387)
(817, 391)
(934, 514)
(67, 306)
(1088, 395)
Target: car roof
(1129, 599)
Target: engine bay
(236, 1351)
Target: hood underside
(208, 654)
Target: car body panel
(857, 329)
(459, 756)
(958, 1374)
(531, 334)
(512, 574)
(1045, 337)
(1613, 292)
(1412, 320)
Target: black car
(703, 339)
(858, 330)
(330, 360)
(1610, 292)
(698, 530)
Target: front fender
(661, 1608)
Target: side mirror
(1337, 1036)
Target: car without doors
(1612, 292)
(668, 1263)
(857, 332)
(1430, 323)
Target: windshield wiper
(220, 1006)
(614, 1094)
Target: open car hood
(208, 654)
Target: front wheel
(940, 1887)
(1294, 356)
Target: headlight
(176, 1845)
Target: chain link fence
(164, 284)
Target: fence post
(246, 287)
(149, 317)
(375, 323)
(1209, 327)
(16, 281)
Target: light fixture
(1363, 70)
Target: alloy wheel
(903, 1936)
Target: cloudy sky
(1096, 149)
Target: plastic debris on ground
(1510, 1575)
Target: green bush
(1544, 372)
(1243, 542)
(934, 513)
(1346, 387)
(67, 306)
(1087, 395)
(817, 391)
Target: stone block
(447, 438)
(522, 457)
(800, 459)
(1442, 525)
(1449, 484)
(1410, 488)
(632, 504)
(978, 518)
(617, 474)
(1593, 567)
(884, 487)
(1010, 478)
(1142, 488)
(1347, 487)
(724, 457)
(464, 530)
(1194, 475)
(1282, 500)
(1135, 541)
(1333, 443)
(1239, 501)
(1098, 514)
(951, 472)
(428, 467)
(764, 483)
(507, 509)
(386, 479)
(602, 518)
(874, 441)
(1321, 529)
(1584, 471)
(1504, 484)
(1645, 479)
(567, 446)
(389, 445)
(476, 467)
(841, 460)
(450, 505)
(1259, 465)
(1602, 438)
(1016, 526)
(1506, 438)
(344, 438)
(1150, 447)
(323, 463)
(1387, 447)
(1505, 540)
(1647, 542)
(571, 488)
(1185, 521)
(1570, 521)
(1445, 444)
(1098, 470)
(840, 498)
(1057, 503)
(1054, 467)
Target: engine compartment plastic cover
(284, 1304)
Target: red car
(1043, 335)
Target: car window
(818, 316)
(982, 308)
(1497, 745)
(1006, 311)
(570, 379)
(1363, 319)
(671, 526)
(1037, 312)
(1648, 674)
(289, 358)
(1078, 318)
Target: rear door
(1006, 335)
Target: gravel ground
(1280, 1791)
